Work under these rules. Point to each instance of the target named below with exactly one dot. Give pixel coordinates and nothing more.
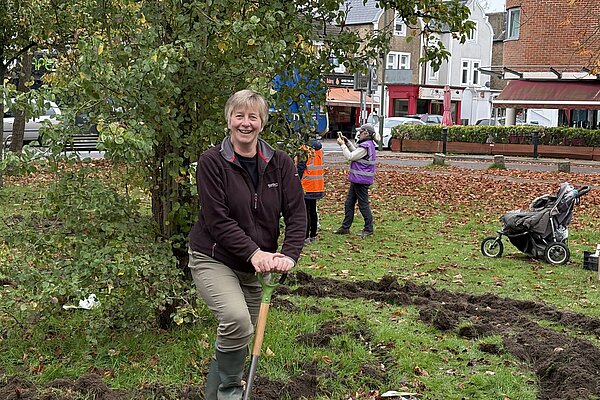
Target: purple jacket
(235, 219)
(363, 171)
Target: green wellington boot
(213, 380)
(231, 368)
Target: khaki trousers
(232, 296)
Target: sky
(493, 5)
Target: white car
(32, 126)
(391, 122)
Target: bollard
(598, 259)
(444, 138)
(439, 159)
(564, 166)
(499, 161)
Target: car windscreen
(390, 123)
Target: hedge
(502, 134)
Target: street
(333, 155)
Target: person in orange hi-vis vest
(311, 172)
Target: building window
(337, 66)
(400, 108)
(464, 73)
(473, 35)
(514, 23)
(469, 72)
(399, 26)
(475, 75)
(431, 74)
(397, 60)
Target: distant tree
(588, 46)
(24, 72)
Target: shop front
(552, 103)
(414, 99)
(344, 105)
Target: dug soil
(567, 367)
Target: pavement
(333, 154)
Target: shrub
(88, 238)
(501, 134)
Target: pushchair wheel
(492, 246)
(557, 253)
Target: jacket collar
(265, 151)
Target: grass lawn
(433, 335)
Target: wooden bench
(82, 143)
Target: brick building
(549, 57)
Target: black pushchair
(541, 230)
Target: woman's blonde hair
(247, 99)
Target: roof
(323, 29)
(550, 94)
(359, 13)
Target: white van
(32, 126)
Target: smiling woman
(245, 188)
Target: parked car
(32, 126)
(501, 122)
(428, 118)
(391, 122)
(490, 121)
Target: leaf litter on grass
(566, 366)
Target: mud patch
(567, 366)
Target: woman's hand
(264, 261)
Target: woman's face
(245, 125)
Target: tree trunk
(2, 75)
(166, 191)
(163, 190)
(173, 206)
(16, 143)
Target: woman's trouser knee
(232, 296)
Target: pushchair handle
(583, 190)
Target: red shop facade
(416, 99)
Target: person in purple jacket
(244, 186)
(362, 174)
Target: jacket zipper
(255, 200)
(213, 250)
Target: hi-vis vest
(313, 180)
(363, 171)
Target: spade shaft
(259, 333)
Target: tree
(24, 26)
(160, 72)
(24, 77)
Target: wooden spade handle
(259, 334)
